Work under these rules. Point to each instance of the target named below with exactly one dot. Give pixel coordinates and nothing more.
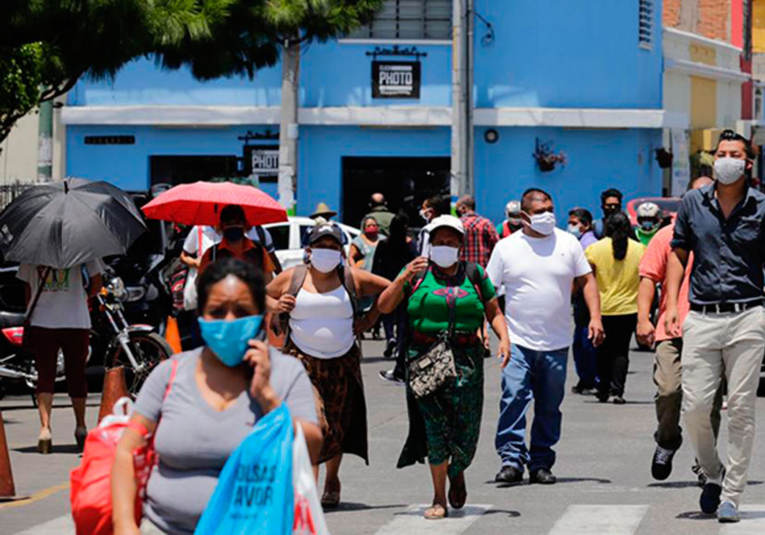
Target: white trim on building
(387, 116)
(694, 68)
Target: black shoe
(618, 400)
(391, 376)
(710, 498)
(661, 466)
(602, 396)
(390, 347)
(509, 475)
(542, 476)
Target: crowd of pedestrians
(692, 286)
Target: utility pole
(463, 134)
(289, 130)
(45, 141)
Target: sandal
(457, 491)
(45, 442)
(330, 499)
(80, 434)
(436, 512)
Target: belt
(457, 340)
(723, 308)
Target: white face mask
(728, 170)
(425, 214)
(444, 256)
(543, 223)
(325, 260)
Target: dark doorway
(176, 170)
(405, 182)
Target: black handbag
(433, 369)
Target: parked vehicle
(290, 236)
(114, 341)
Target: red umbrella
(200, 203)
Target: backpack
(296, 283)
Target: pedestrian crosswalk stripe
(752, 522)
(411, 522)
(62, 525)
(600, 520)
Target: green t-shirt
(428, 306)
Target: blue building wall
(597, 159)
(556, 53)
(566, 53)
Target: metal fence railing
(8, 192)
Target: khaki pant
(667, 376)
(714, 344)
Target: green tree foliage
(20, 78)
(51, 44)
(97, 37)
(251, 37)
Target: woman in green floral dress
(445, 425)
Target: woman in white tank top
(320, 300)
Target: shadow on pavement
(510, 514)
(66, 449)
(687, 484)
(696, 515)
(561, 480)
(351, 506)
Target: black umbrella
(65, 224)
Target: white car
(289, 237)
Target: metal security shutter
(645, 23)
(410, 19)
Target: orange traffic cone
(7, 488)
(173, 335)
(114, 389)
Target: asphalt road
(604, 488)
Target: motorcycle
(114, 342)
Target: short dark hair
(582, 214)
(244, 271)
(730, 135)
(525, 198)
(442, 205)
(611, 192)
(468, 201)
(233, 213)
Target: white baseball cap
(648, 209)
(446, 221)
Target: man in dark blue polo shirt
(723, 225)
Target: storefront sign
(262, 161)
(396, 79)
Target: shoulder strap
(173, 372)
(474, 276)
(419, 278)
(297, 280)
(261, 235)
(346, 279)
(200, 241)
(37, 295)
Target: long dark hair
(618, 228)
(398, 232)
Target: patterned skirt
(340, 402)
(445, 426)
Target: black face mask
(233, 234)
(611, 210)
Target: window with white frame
(410, 19)
(645, 23)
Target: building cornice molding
(382, 116)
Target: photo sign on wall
(262, 161)
(396, 79)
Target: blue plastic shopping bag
(254, 493)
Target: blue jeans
(531, 375)
(585, 358)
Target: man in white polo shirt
(537, 268)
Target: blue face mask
(575, 230)
(229, 339)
